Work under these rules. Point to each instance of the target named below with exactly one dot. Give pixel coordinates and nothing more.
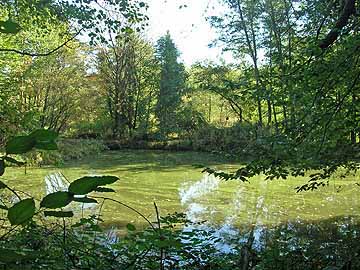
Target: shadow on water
(145, 160)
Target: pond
(172, 181)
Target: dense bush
(68, 149)
(238, 140)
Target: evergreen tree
(172, 84)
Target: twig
(5, 50)
(127, 206)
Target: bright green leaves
(21, 212)
(88, 184)
(56, 200)
(40, 139)
(58, 214)
(9, 27)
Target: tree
(91, 17)
(172, 84)
(127, 70)
(308, 75)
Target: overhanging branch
(6, 50)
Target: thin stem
(129, 207)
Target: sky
(188, 27)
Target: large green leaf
(2, 167)
(58, 214)
(104, 189)
(85, 200)
(88, 184)
(2, 185)
(56, 200)
(45, 139)
(20, 145)
(46, 145)
(21, 211)
(44, 135)
(14, 161)
(9, 27)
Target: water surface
(172, 181)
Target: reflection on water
(189, 193)
(295, 243)
(331, 243)
(203, 187)
(55, 182)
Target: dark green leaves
(58, 214)
(56, 200)
(9, 27)
(2, 185)
(130, 227)
(40, 139)
(45, 139)
(21, 211)
(84, 200)
(10, 256)
(14, 161)
(43, 135)
(20, 145)
(88, 184)
(104, 189)
(2, 167)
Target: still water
(172, 181)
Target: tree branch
(349, 9)
(5, 50)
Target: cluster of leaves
(23, 211)
(97, 18)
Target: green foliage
(57, 200)
(40, 139)
(21, 211)
(172, 84)
(67, 214)
(87, 184)
(9, 27)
